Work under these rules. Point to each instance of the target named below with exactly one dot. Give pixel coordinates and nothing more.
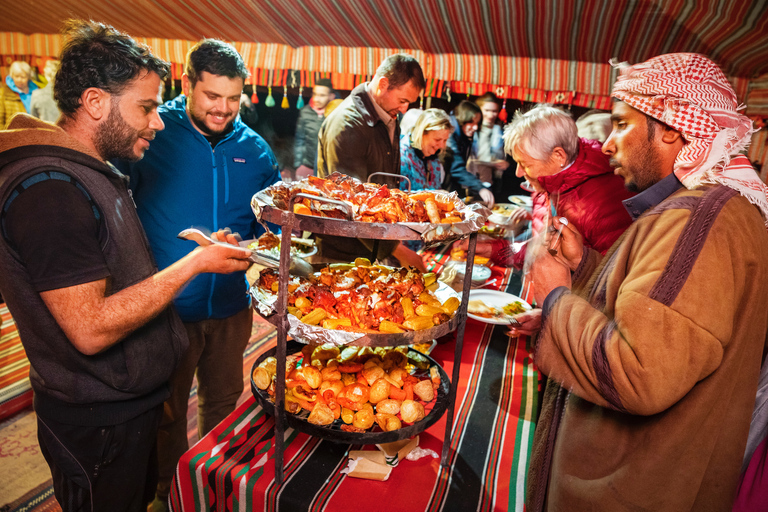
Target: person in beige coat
(653, 353)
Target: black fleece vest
(131, 376)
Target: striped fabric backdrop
(15, 389)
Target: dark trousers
(215, 355)
(102, 468)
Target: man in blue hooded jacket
(202, 171)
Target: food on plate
(504, 209)
(366, 202)
(318, 386)
(362, 297)
(479, 308)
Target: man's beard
(116, 138)
(645, 168)
(200, 123)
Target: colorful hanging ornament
(270, 101)
(503, 112)
(421, 102)
(285, 104)
(300, 102)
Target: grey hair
(20, 65)
(540, 130)
(429, 120)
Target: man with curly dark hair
(92, 310)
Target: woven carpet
(26, 482)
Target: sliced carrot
(395, 393)
(408, 388)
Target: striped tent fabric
(15, 389)
(232, 468)
(555, 49)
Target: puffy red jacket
(588, 194)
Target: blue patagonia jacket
(181, 182)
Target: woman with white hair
(16, 92)
(420, 147)
(571, 178)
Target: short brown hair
(399, 69)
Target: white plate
(526, 186)
(525, 201)
(494, 299)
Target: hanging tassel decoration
(285, 104)
(503, 112)
(270, 101)
(300, 102)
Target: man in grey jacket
(311, 118)
(362, 136)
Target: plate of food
(495, 307)
(521, 201)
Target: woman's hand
(487, 197)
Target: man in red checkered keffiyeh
(690, 93)
(653, 353)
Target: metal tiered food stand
(288, 221)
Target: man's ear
(95, 103)
(383, 84)
(670, 135)
(186, 85)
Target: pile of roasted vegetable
(362, 297)
(362, 387)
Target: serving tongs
(298, 266)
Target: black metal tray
(333, 432)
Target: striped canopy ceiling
(732, 32)
(541, 50)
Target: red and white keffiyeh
(690, 93)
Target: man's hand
(221, 259)
(547, 273)
(529, 323)
(303, 171)
(409, 257)
(570, 247)
(487, 197)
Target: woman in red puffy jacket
(571, 178)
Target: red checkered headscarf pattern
(690, 93)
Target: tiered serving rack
(446, 395)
